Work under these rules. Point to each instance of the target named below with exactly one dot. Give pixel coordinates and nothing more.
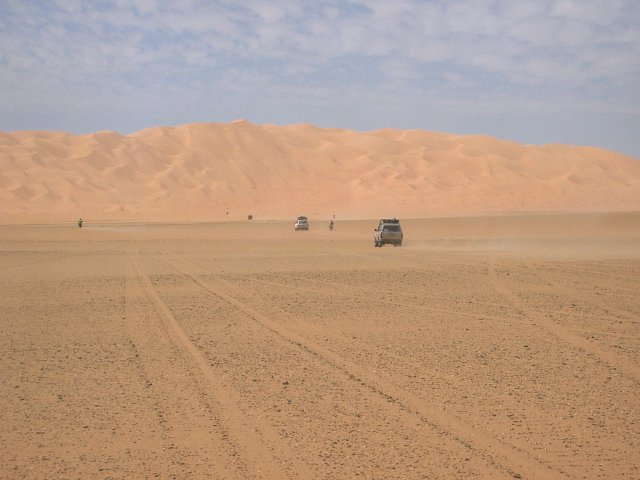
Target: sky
(534, 72)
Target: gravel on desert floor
(495, 347)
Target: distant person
(80, 223)
(331, 225)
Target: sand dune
(202, 171)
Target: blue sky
(530, 71)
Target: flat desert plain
(496, 347)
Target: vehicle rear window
(391, 228)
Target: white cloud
(427, 48)
(492, 36)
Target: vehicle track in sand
(373, 294)
(540, 319)
(410, 364)
(375, 297)
(601, 285)
(506, 458)
(387, 364)
(186, 423)
(253, 444)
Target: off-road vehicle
(302, 223)
(388, 231)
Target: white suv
(301, 224)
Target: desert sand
(484, 347)
(216, 171)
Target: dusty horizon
(201, 171)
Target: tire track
(265, 455)
(553, 284)
(368, 291)
(502, 456)
(564, 334)
(181, 430)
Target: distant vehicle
(249, 217)
(302, 223)
(388, 231)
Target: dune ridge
(201, 171)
